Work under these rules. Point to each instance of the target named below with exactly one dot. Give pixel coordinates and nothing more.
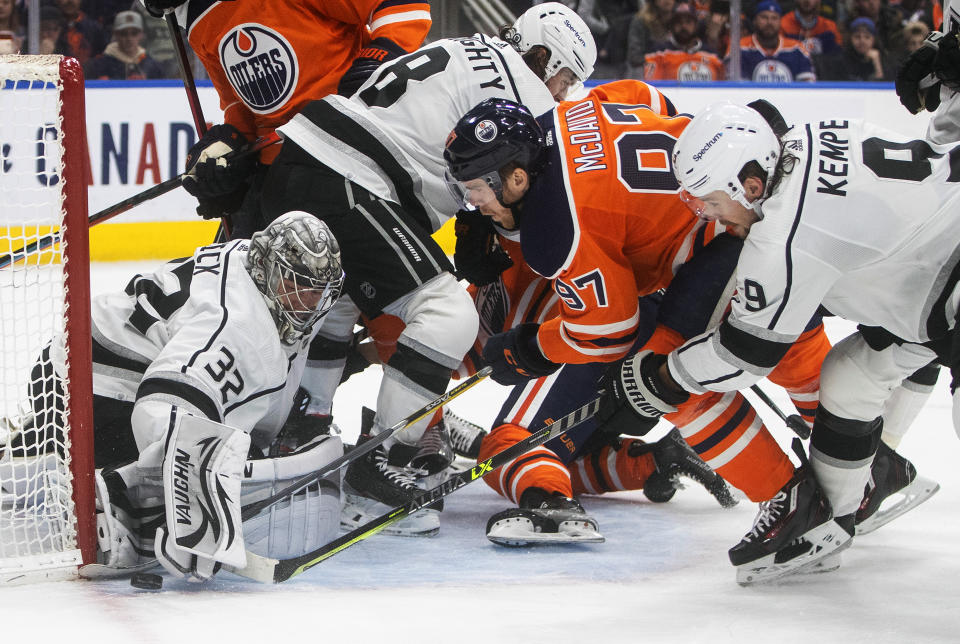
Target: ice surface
(661, 576)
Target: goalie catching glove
(515, 356)
(367, 61)
(478, 256)
(635, 396)
(916, 85)
(218, 184)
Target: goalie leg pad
(202, 467)
(128, 509)
(306, 519)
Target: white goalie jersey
(196, 334)
(866, 224)
(391, 133)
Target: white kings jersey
(196, 333)
(866, 224)
(389, 137)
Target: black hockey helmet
(491, 135)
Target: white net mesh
(37, 526)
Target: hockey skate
(465, 437)
(793, 532)
(543, 518)
(893, 489)
(434, 453)
(675, 459)
(373, 487)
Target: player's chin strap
(202, 465)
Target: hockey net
(46, 454)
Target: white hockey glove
(635, 396)
(202, 466)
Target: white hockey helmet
(715, 146)
(295, 262)
(559, 29)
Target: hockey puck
(147, 581)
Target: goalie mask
(491, 135)
(295, 262)
(715, 147)
(564, 33)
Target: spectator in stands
(682, 56)
(157, 42)
(105, 11)
(81, 37)
(10, 23)
(818, 34)
(716, 26)
(612, 48)
(914, 33)
(767, 56)
(649, 25)
(52, 25)
(860, 59)
(889, 24)
(919, 11)
(124, 58)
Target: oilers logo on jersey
(260, 65)
(772, 71)
(694, 70)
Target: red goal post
(47, 523)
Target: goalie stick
(793, 421)
(121, 207)
(253, 509)
(270, 570)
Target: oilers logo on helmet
(486, 131)
(261, 66)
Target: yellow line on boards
(113, 242)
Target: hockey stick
(253, 509)
(190, 86)
(270, 570)
(121, 207)
(793, 421)
(188, 83)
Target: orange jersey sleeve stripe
(405, 23)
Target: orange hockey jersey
(603, 219)
(684, 66)
(268, 60)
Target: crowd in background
(685, 40)
(112, 39)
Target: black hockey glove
(478, 256)
(367, 61)
(946, 67)
(209, 175)
(915, 85)
(157, 8)
(516, 357)
(635, 397)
